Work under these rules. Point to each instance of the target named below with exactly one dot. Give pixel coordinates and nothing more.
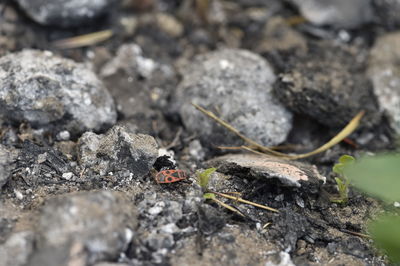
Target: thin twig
(246, 201)
(355, 233)
(227, 206)
(254, 146)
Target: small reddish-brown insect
(170, 176)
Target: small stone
(117, 150)
(130, 59)
(18, 194)
(169, 25)
(336, 13)
(67, 176)
(63, 135)
(384, 71)
(277, 35)
(65, 13)
(329, 85)
(92, 224)
(219, 81)
(49, 91)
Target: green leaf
(344, 161)
(209, 196)
(378, 176)
(386, 234)
(204, 177)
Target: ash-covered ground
(85, 130)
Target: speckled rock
(384, 70)
(336, 13)
(329, 84)
(84, 228)
(236, 85)
(65, 13)
(117, 150)
(49, 91)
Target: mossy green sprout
(342, 181)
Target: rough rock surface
(384, 70)
(117, 150)
(45, 90)
(336, 13)
(7, 156)
(65, 13)
(84, 227)
(329, 85)
(236, 85)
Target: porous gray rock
(329, 84)
(49, 91)
(84, 227)
(117, 150)
(336, 13)
(65, 13)
(384, 71)
(236, 85)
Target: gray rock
(46, 90)
(117, 150)
(17, 249)
(84, 227)
(65, 13)
(329, 85)
(336, 13)
(384, 71)
(236, 85)
(7, 157)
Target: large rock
(65, 13)
(46, 90)
(117, 150)
(336, 13)
(384, 70)
(84, 227)
(236, 85)
(329, 84)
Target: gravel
(117, 150)
(49, 91)
(236, 85)
(384, 71)
(65, 13)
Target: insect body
(170, 176)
